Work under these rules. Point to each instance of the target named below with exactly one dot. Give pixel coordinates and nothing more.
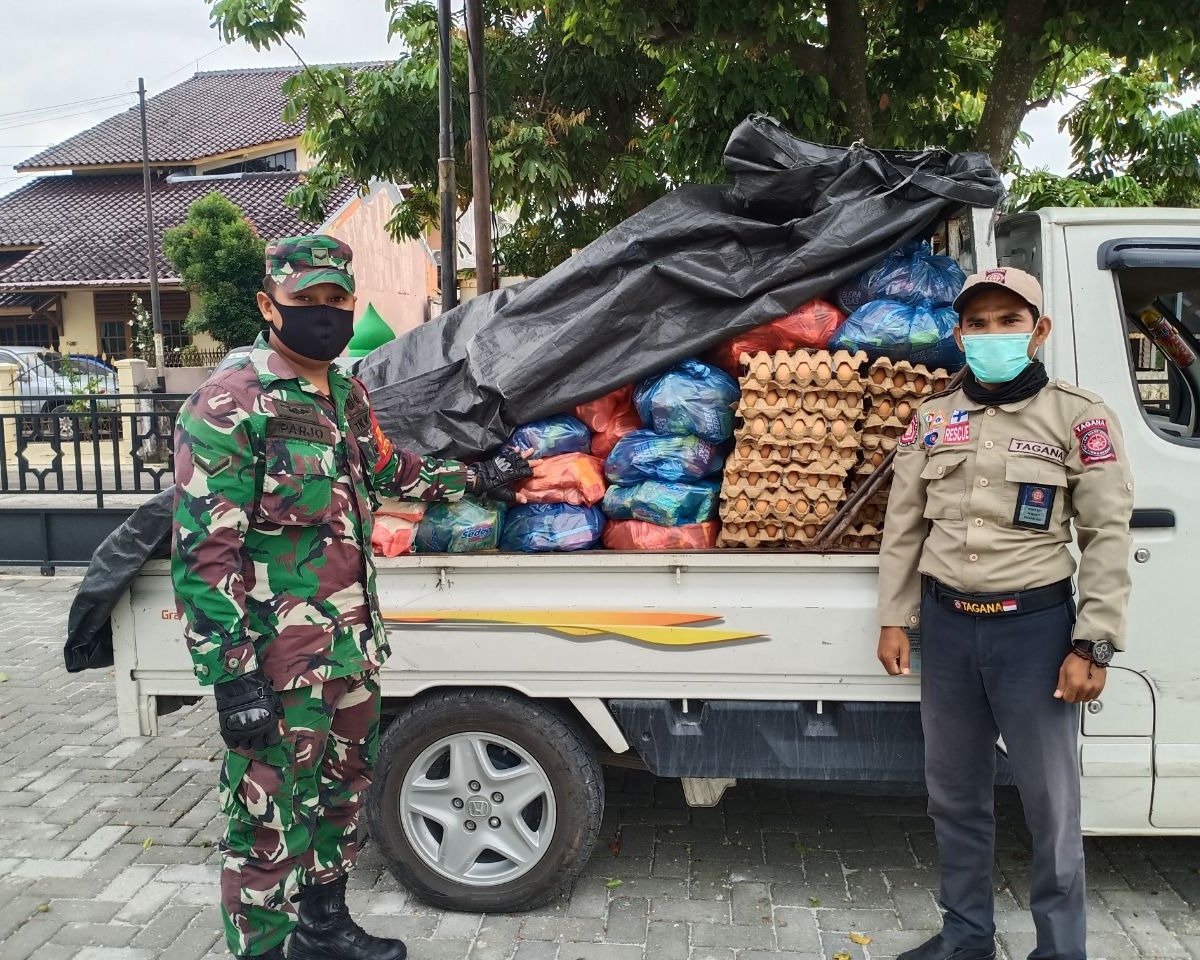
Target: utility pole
(485, 278)
(160, 363)
(446, 186)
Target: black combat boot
(326, 932)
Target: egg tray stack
(795, 449)
(894, 390)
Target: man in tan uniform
(988, 481)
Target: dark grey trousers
(983, 676)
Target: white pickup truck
(515, 676)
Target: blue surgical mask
(997, 357)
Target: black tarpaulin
(692, 269)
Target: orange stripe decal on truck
(657, 628)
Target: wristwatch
(1100, 652)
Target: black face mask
(316, 332)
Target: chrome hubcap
(478, 809)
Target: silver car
(49, 383)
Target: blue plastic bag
(691, 397)
(667, 504)
(645, 455)
(550, 527)
(551, 437)
(911, 275)
(465, 526)
(885, 328)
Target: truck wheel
(484, 801)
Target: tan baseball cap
(1023, 284)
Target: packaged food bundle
(551, 527)
(465, 526)
(669, 504)
(640, 535)
(395, 529)
(691, 397)
(911, 275)
(568, 478)
(551, 437)
(609, 417)
(645, 455)
(808, 327)
(888, 328)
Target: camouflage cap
(295, 263)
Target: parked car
(50, 383)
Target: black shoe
(939, 949)
(326, 932)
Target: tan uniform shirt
(983, 498)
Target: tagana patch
(1095, 444)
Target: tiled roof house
(73, 242)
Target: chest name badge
(1035, 501)
(289, 429)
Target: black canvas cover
(692, 269)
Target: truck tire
(484, 801)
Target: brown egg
(772, 397)
(762, 371)
(883, 408)
(766, 451)
(742, 505)
(793, 399)
(783, 371)
(904, 410)
(752, 529)
(878, 457)
(758, 426)
(772, 530)
(773, 478)
(778, 428)
(839, 429)
(832, 400)
(824, 373)
(899, 380)
(811, 530)
(761, 506)
(821, 508)
(818, 428)
(845, 373)
(794, 478)
(782, 505)
(878, 375)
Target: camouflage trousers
(293, 809)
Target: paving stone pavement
(107, 852)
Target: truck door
(1135, 308)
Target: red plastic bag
(640, 535)
(395, 529)
(609, 418)
(576, 478)
(808, 327)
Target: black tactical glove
(492, 477)
(249, 711)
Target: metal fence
(95, 445)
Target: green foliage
(1133, 143)
(220, 259)
(598, 107)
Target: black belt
(1002, 604)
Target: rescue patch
(290, 429)
(1035, 448)
(957, 433)
(1095, 445)
(910, 435)
(1034, 503)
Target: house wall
(392, 276)
(79, 323)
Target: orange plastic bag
(609, 418)
(395, 529)
(640, 535)
(576, 478)
(808, 327)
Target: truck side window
(1161, 306)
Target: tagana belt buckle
(999, 607)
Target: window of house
(30, 332)
(1161, 306)
(114, 321)
(282, 162)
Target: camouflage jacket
(271, 540)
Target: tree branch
(1013, 75)
(847, 75)
(804, 56)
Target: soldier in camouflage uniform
(277, 463)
